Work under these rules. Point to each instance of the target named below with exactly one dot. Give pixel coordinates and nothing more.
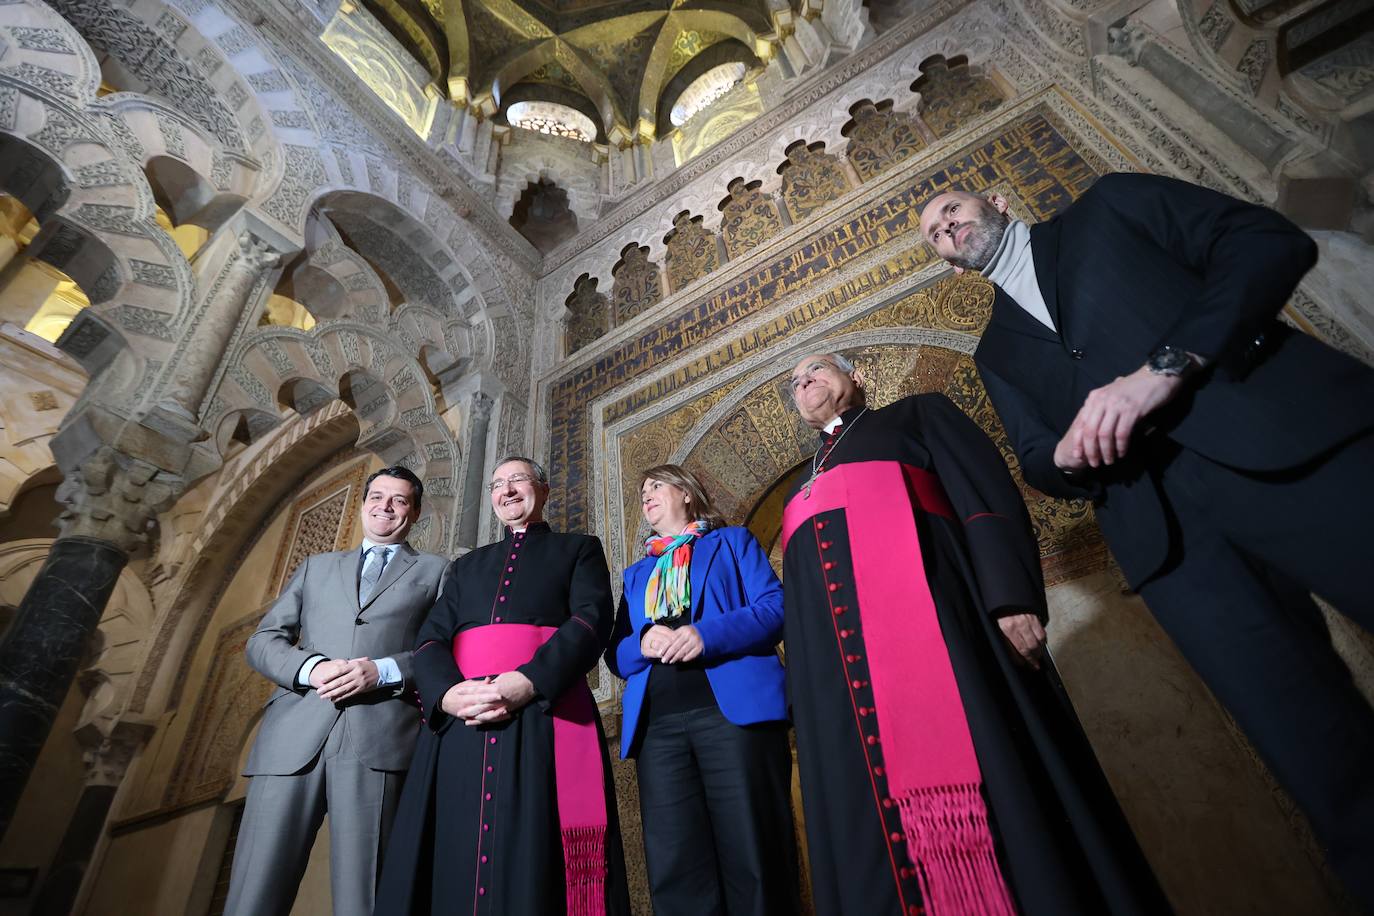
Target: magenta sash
(932, 770)
(497, 648)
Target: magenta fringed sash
(932, 771)
(577, 757)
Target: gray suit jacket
(318, 614)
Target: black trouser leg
(679, 848)
(747, 775)
(1248, 628)
(1314, 524)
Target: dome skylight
(704, 90)
(552, 118)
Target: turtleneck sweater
(1013, 269)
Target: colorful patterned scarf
(669, 592)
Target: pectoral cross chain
(818, 460)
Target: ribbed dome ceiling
(616, 61)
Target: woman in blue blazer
(704, 713)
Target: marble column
(239, 270)
(467, 131)
(814, 41)
(623, 159)
(42, 651)
(644, 163)
(110, 500)
(474, 477)
(482, 143)
(106, 764)
(793, 55)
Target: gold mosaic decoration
(637, 285)
(323, 519)
(750, 218)
(653, 443)
(879, 138)
(688, 44)
(692, 251)
(746, 454)
(955, 303)
(622, 58)
(619, 55)
(589, 314)
(811, 178)
(1030, 156)
(954, 94)
(553, 74)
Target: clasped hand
(1101, 433)
(338, 679)
(669, 645)
(482, 701)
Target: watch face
(1169, 361)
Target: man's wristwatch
(1169, 360)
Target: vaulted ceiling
(616, 60)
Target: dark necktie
(372, 571)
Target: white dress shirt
(388, 672)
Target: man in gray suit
(342, 629)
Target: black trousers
(715, 801)
(1246, 550)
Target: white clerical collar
(520, 530)
(833, 425)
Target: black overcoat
(1063, 844)
(1141, 261)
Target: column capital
(1127, 42)
(107, 756)
(481, 405)
(257, 253)
(111, 497)
(262, 237)
(462, 382)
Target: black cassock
(1061, 841)
(474, 842)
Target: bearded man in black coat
(1135, 357)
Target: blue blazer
(737, 609)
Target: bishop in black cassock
(509, 808)
(943, 770)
